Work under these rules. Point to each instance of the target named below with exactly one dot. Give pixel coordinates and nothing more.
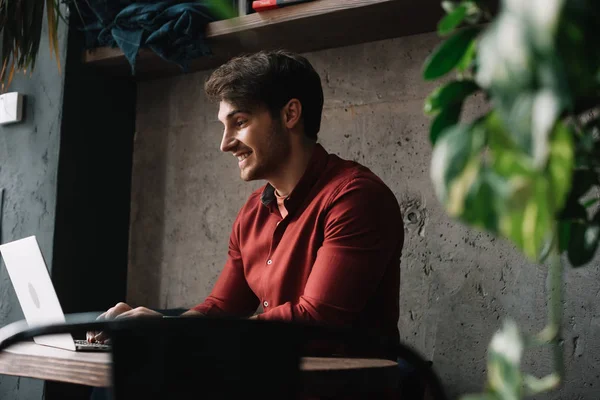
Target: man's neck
(291, 173)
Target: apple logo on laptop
(34, 295)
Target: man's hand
(192, 313)
(121, 310)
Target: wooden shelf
(304, 27)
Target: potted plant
(527, 168)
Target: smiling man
(321, 241)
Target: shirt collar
(316, 165)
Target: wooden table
(322, 375)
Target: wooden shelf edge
(286, 14)
(304, 27)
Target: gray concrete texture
(28, 168)
(458, 284)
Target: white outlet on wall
(11, 108)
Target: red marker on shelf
(264, 5)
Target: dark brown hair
(271, 79)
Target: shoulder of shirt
(350, 176)
(255, 197)
(254, 202)
(345, 172)
(251, 205)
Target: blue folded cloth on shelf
(173, 30)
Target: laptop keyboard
(85, 345)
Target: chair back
(185, 358)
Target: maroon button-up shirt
(334, 259)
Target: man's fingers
(120, 308)
(101, 338)
(90, 336)
(138, 312)
(130, 313)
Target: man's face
(259, 143)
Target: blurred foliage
(21, 23)
(528, 168)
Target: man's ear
(291, 113)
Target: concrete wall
(28, 168)
(457, 284)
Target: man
(321, 241)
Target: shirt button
(266, 304)
(270, 262)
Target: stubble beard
(272, 156)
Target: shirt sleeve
(362, 232)
(231, 295)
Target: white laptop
(33, 286)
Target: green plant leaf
(580, 57)
(454, 165)
(452, 20)
(474, 15)
(517, 117)
(507, 72)
(468, 189)
(481, 396)
(449, 6)
(38, 17)
(590, 202)
(448, 117)
(583, 241)
(573, 213)
(561, 162)
(546, 109)
(499, 137)
(539, 385)
(536, 194)
(484, 201)
(222, 9)
(583, 181)
(448, 54)
(510, 163)
(506, 158)
(564, 232)
(527, 219)
(452, 92)
(467, 59)
(504, 360)
(587, 146)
